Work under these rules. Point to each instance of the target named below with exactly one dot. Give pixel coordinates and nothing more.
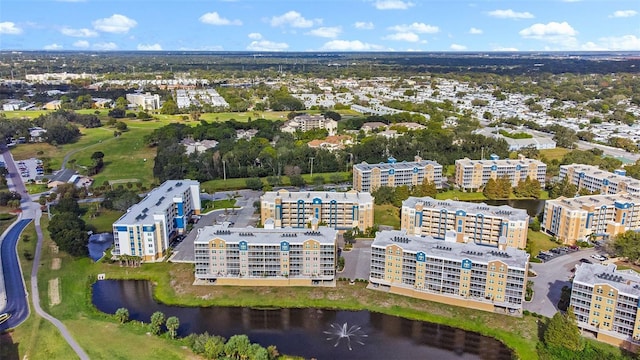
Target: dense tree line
(10, 198)
(66, 227)
(236, 347)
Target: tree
(157, 319)
(562, 188)
(296, 180)
(562, 332)
(491, 190)
(214, 347)
(627, 245)
(172, 324)
(564, 137)
(237, 347)
(122, 314)
(254, 183)
(169, 107)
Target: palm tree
(172, 324)
(122, 314)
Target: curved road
(14, 290)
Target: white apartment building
(593, 179)
(144, 101)
(474, 174)
(309, 122)
(147, 227)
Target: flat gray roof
(598, 173)
(451, 250)
(626, 281)
(324, 235)
(500, 162)
(403, 165)
(503, 211)
(597, 201)
(156, 201)
(352, 196)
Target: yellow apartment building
(605, 302)
(449, 272)
(474, 174)
(369, 177)
(580, 218)
(592, 179)
(338, 210)
(266, 257)
(477, 223)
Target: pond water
(311, 333)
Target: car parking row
(555, 252)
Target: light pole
(224, 169)
(311, 160)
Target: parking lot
(30, 168)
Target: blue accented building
(468, 275)
(147, 227)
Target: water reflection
(302, 332)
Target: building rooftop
(500, 162)
(395, 165)
(155, 202)
(503, 211)
(324, 196)
(626, 281)
(451, 250)
(596, 201)
(596, 172)
(323, 234)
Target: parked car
(586, 261)
(599, 257)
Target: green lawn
(460, 195)
(224, 204)
(36, 188)
(103, 221)
(212, 186)
(386, 215)
(554, 154)
(538, 241)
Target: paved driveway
(552, 276)
(357, 262)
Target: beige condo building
(466, 275)
(477, 223)
(592, 179)
(580, 218)
(369, 177)
(605, 302)
(474, 174)
(338, 210)
(266, 257)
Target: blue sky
(320, 25)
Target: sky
(320, 25)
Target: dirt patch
(54, 292)
(55, 263)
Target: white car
(598, 257)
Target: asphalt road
(15, 293)
(357, 262)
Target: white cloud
(403, 36)
(9, 28)
(255, 36)
(349, 45)
(549, 31)
(623, 14)
(458, 47)
(420, 28)
(475, 31)
(625, 42)
(106, 46)
(326, 32)
(117, 23)
(501, 48)
(83, 44)
(213, 18)
(79, 32)
(510, 14)
(53, 47)
(293, 19)
(363, 25)
(392, 5)
(149, 47)
(266, 45)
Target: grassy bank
(475, 196)
(386, 215)
(212, 186)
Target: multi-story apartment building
(369, 177)
(605, 301)
(266, 257)
(449, 272)
(338, 210)
(474, 174)
(481, 224)
(592, 179)
(147, 227)
(144, 101)
(310, 122)
(583, 217)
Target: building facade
(147, 227)
(309, 122)
(581, 218)
(592, 179)
(605, 302)
(474, 174)
(369, 177)
(266, 257)
(454, 273)
(144, 101)
(338, 210)
(480, 224)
